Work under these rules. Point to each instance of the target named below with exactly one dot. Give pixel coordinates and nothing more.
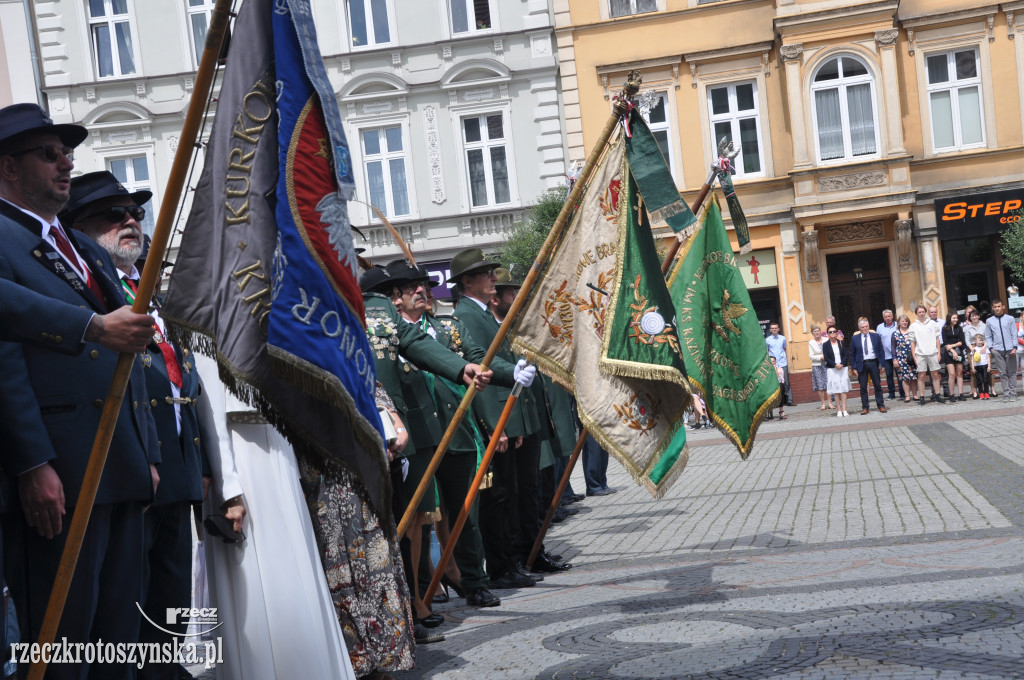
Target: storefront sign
(961, 217)
(758, 269)
(439, 272)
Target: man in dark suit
(27, 316)
(866, 356)
(106, 212)
(56, 401)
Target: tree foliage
(1011, 242)
(524, 241)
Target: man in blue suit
(866, 355)
(108, 213)
(51, 405)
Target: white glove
(524, 373)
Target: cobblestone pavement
(887, 545)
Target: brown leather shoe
(865, 412)
(882, 409)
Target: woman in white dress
(278, 620)
(835, 359)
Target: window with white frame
(622, 8)
(385, 169)
(844, 109)
(199, 12)
(486, 146)
(368, 22)
(133, 173)
(658, 122)
(470, 15)
(733, 112)
(111, 34)
(954, 97)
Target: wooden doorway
(859, 285)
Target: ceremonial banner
(266, 272)
(648, 165)
(575, 333)
(724, 349)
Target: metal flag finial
(726, 153)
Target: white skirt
(838, 380)
(271, 593)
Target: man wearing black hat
(390, 337)
(58, 422)
(436, 401)
(112, 216)
(518, 450)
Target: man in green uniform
(509, 511)
(505, 291)
(391, 337)
(437, 401)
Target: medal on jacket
(158, 337)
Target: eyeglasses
(115, 213)
(51, 152)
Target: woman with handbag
(903, 360)
(953, 344)
(835, 357)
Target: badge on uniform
(147, 360)
(158, 337)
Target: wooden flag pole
(474, 489)
(619, 109)
(701, 197)
(665, 267)
(564, 482)
(119, 383)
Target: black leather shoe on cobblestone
(512, 579)
(523, 571)
(543, 565)
(481, 597)
(426, 637)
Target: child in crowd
(782, 383)
(979, 359)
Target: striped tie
(129, 290)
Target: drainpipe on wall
(33, 47)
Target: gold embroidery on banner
(730, 311)
(647, 326)
(640, 412)
(559, 302)
(260, 307)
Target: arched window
(844, 109)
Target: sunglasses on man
(51, 152)
(115, 213)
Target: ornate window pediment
(374, 85)
(475, 72)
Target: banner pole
(119, 384)
(474, 489)
(619, 108)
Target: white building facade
(452, 107)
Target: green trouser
(453, 477)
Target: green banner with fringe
(723, 345)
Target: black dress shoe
(512, 579)
(441, 597)
(523, 571)
(543, 565)
(553, 558)
(432, 621)
(424, 636)
(481, 597)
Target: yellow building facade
(881, 143)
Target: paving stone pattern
(880, 546)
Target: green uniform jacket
(565, 434)
(487, 406)
(389, 335)
(453, 335)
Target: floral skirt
(364, 570)
(819, 378)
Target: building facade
(881, 142)
(451, 106)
